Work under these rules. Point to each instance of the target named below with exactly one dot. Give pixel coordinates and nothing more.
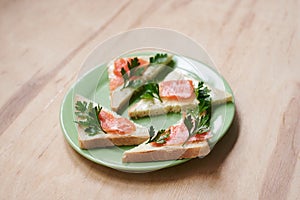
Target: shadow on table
(211, 165)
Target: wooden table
(255, 45)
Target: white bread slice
(106, 139)
(147, 153)
(146, 107)
(120, 97)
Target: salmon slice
(118, 125)
(120, 63)
(179, 134)
(176, 90)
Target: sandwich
(128, 73)
(176, 93)
(186, 139)
(100, 127)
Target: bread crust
(110, 140)
(147, 153)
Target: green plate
(94, 85)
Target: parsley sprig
(159, 58)
(151, 91)
(134, 70)
(160, 137)
(204, 98)
(196, 124)
(162, 58)
(198, 121)
(202, 92)
(89, 117)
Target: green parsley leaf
(162, 58)
(202, 92)
(125, 76)
(81, 109)
(89, 117)
(151, 91)
(197, 125)
(159, 58)
(133, 63)
(151, 132)
(188, 122)
(203, 96)
(198, 121)
(134, 71)
(160, 137)
(204, 106)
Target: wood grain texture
(284, 157)
(255, 45)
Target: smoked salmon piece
(176, 89)
(179, 134)
(112, 124)
(117, 80)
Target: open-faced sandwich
(174, 143)
(100, 127)
(175, 93)
(128, 73)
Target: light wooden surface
(256, 46)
